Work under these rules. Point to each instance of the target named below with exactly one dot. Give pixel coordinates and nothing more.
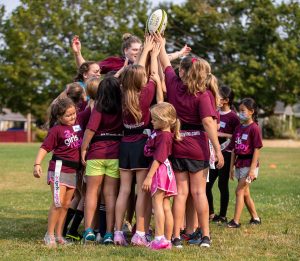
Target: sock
(76, 222)
(158, 238)
(102, 219)
(140, 233)
(70, 215)
(258, 219)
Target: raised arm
(185, 50)
(148, 45)
(163, 56)
(76, 47)
(154, 72)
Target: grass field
(24, 202)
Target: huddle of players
(145, 124)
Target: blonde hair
(198, 77)
(92, 87)
(132, 82)
(166, 113)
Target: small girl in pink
(160, 179)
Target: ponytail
(175, 128)
(212, 85)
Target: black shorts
(132, 155)
(189, 165)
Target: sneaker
(89, 236)
(196, 237)
(49, 240)
(75, 237)
(63, 241)
(222, 220)
(205, 242)
(158, 244)
(186, 236)
(232, 224)
(126, 228)
(148, 237)
(177, 242)
(108, 239)
(215, 219)
(169, 246)
(119, 239)
(138, 240)
(255, 221)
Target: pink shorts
(164, 179)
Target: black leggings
(223, 175)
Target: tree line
(253, 45)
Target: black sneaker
(177, 242)
(215, 218)
(255, 221)
(222, 220)
(205, 242)
(232, 224)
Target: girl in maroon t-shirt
(100, 154)
(160, 180)
(64, 139)
(191, 155)
(137, 97)
(228, 122)
(245, 144)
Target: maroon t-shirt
(65, 141)
(244, 140)
(190, 109)
(145, 99)
(111, 64)
(228, 122)
(104, 124)
(159, 145)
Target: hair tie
(194, 59)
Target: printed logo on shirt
(76, 128)
(72, 140)
(238, 143)
(244, 136)
(222, 124)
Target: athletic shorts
(189, 165)
(132, 155)
(65, 179)
(241, 173)
(99, 167)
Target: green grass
(24, 203)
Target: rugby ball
(157, 22)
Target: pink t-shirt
(159, 145)
(104, 124)
(145, 99)
(190, 109)
(65, 141)
(244, 140)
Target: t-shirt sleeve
(94, 121)
(170, 78)
(256, 137)
(83, 117)
(163, 147)
(205, 108)
(148, 93)
(50, 142)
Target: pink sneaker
(119, 239)
(62, 241)
(169, 246)
(138, 240)
(158, 244)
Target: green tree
(36, 58)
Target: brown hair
(84, 68)
(198, 77)
(166, 113)
(92, 87)
(58, 109)
(132, 81)
(129, 39)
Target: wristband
(35, 165)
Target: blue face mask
(243, 117)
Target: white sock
(140, 233)
(119, 231)
(159, 237)
(258, 219)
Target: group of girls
(145, 124)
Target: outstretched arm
(148, 45)
(76, 47)
(163, 56)
(185, 50)
(154, 73)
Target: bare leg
(178, 210)
(93, 187)
(191, 215)
(110, 190)
(239, 203)
(198, 191)
(121, 204)
(249, 202)
(141, 200)
(159, 215)
(169, 221)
